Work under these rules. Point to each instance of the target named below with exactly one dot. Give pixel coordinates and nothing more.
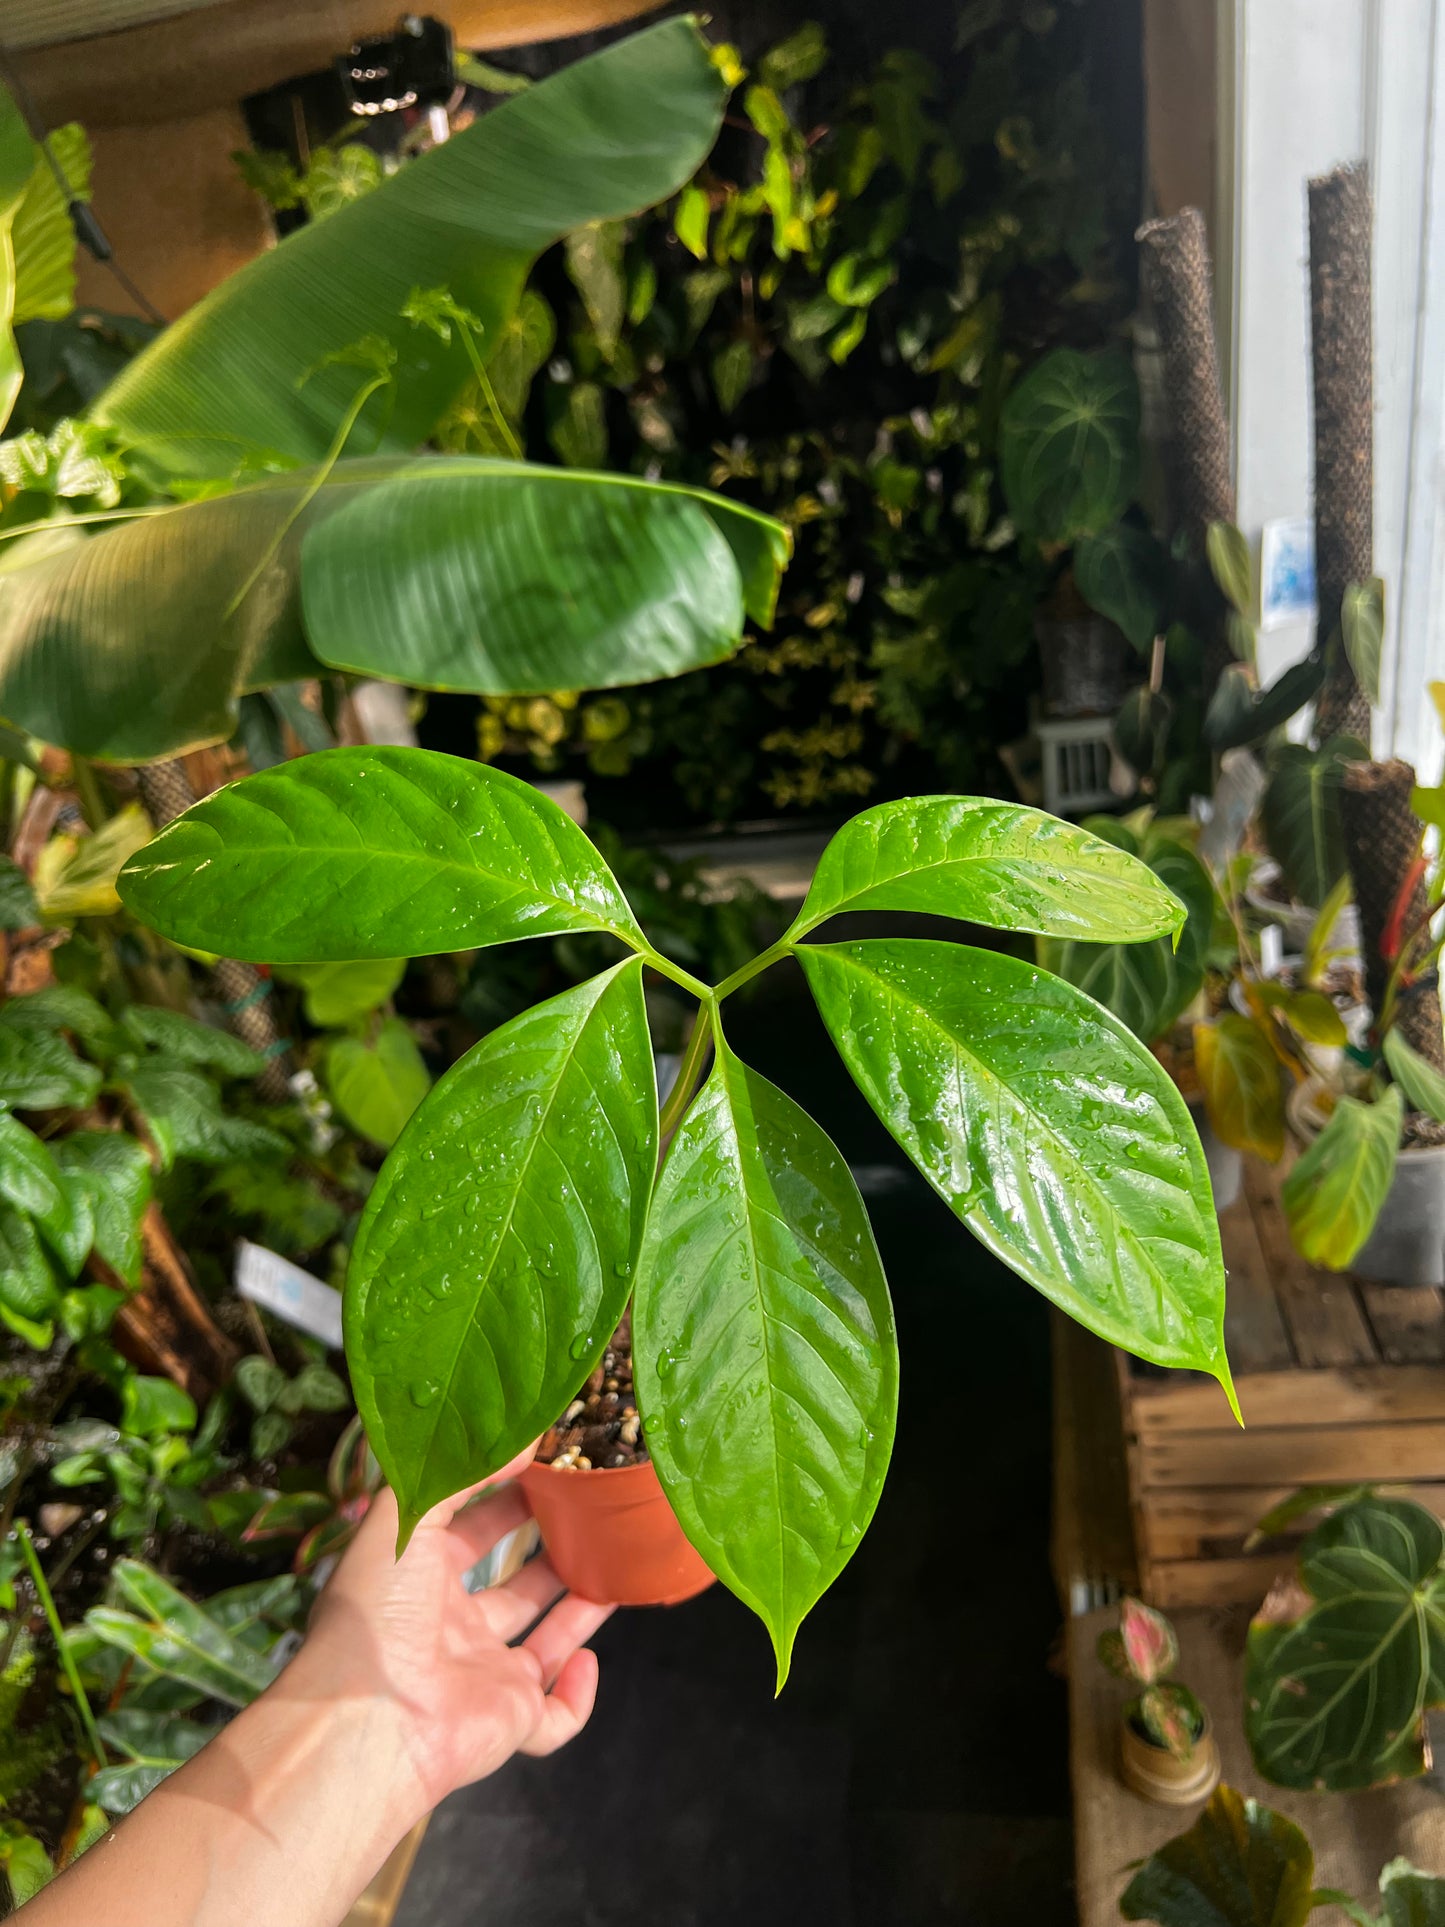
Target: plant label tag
(268, 1279)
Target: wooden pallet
(1339, 1380)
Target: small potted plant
(1167, 1751)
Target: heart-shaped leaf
(495, 1255)
(377, 1083)
(1239, 1865)
(1336, 1693)
(766, 1359)
(1363, 621)
(1124, 574)
(335, 993)
(1423, 1085)
(1070, 444)
(362, 853)
(1301, 815)
(1240, 1076)
(251, 370)
(1333, 1195)
(992, 863)
(1048, 1129)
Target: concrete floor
(914, 1772)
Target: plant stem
(665, 967)
(87, 788)
(57, 1633)
(689, 1071)
(784, 947)
(489, 395)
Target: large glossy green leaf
(1301, 815)
(148, 1747)
(244, 369)
(159, 1625)
(27, 1282)
(1336, 1694)
(358, 853)
(1070, 444)
(30, 1179)
(115, 1174)
(496, 1252)
(377, 1083)
(767, 1363)
(452, 571)
(1333, 1195)
(1239, 1865)
(1048, 1129)
(1147, 985)
(993, 863)
(38, 1070)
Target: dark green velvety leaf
(1124, 574)
(1239, 1865)
(377, 1083)
(1300, 813)
(600, 139)
(766, 1358)
(1412, 1898)
(40, 1072)
(149, 1746)
(116, 1173)
(495, 1255)
(1048, 1129)
(1335, 1696)
(178, 1638)
(30, 1179)
(1147, 985)
(361, 853)
(1070, 444)
(522, 580)
(1239, 713)
(27, 1284)
(1333, 1195)
(186, 1041)
(184, 1116)
(991, 863)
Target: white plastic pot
(1407, 1245)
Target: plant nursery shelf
(1339, 1380)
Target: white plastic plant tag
(268, 1279)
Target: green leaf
(766, 1358)
(1070, 444)
(602, 138)
(1147, 986)
(40, 1072)
(28, 1867)
(1333, 1196)
(1239, 1865)
(1335, 1696)
(1300, 814)
(495, 1255)
(152, 1405)
(1231, 566)
(178, 1638)
(31, 1180)
(75, 876)
(18, 156)
(1412, 1898)
(27, 1283)
(1123, 574)
(1239, 713)
(1363, 622)
(993, 863)
(577, 424)
(1423, 1085)
(359, 853)
(1239, 1074)
(259, 1381)
(116, 1173)
(44, 234)
(1046, 1127)
(453, 571)
(690, 220)
(151, 1745)
(594, 264)
(377, 1085)
(18, 908)
(335, 993)
(62, 1007)
(183, 1115)
(732, 373)
(189, 1042)
(802, 56)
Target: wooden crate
(1339, 1380)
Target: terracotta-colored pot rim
(617, 1472)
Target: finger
(483, 1524)
(510, 1609)
(564, 1629)
(568, 1706)
(448, 1509)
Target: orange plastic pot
(612, 1535)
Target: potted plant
(1166, 1749)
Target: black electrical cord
(88, 231)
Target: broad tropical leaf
(1301, 815)
(767, 1363)
(27, 1282)
(1147, 985)
(38, 1069)
(247, 372)
(150, 1746)
(44, 234)
(1363, 620)
(451, 571)
(1124, 574)
(1336, 1694)
(1412, 1898)
(377, 1084)
(178, 1638)
(1333, 1195)
(1070, 444)
(1423, 1085)
(1240, 713)
(992, 863)
(362, 853)
(1239, 1865)
(496, 1252)
(31, 1180)
(1240, 1076)
(1047, 1128)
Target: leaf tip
(783, 1637)
(407, 1522)
(1226, 1379)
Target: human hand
(405, 1633)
